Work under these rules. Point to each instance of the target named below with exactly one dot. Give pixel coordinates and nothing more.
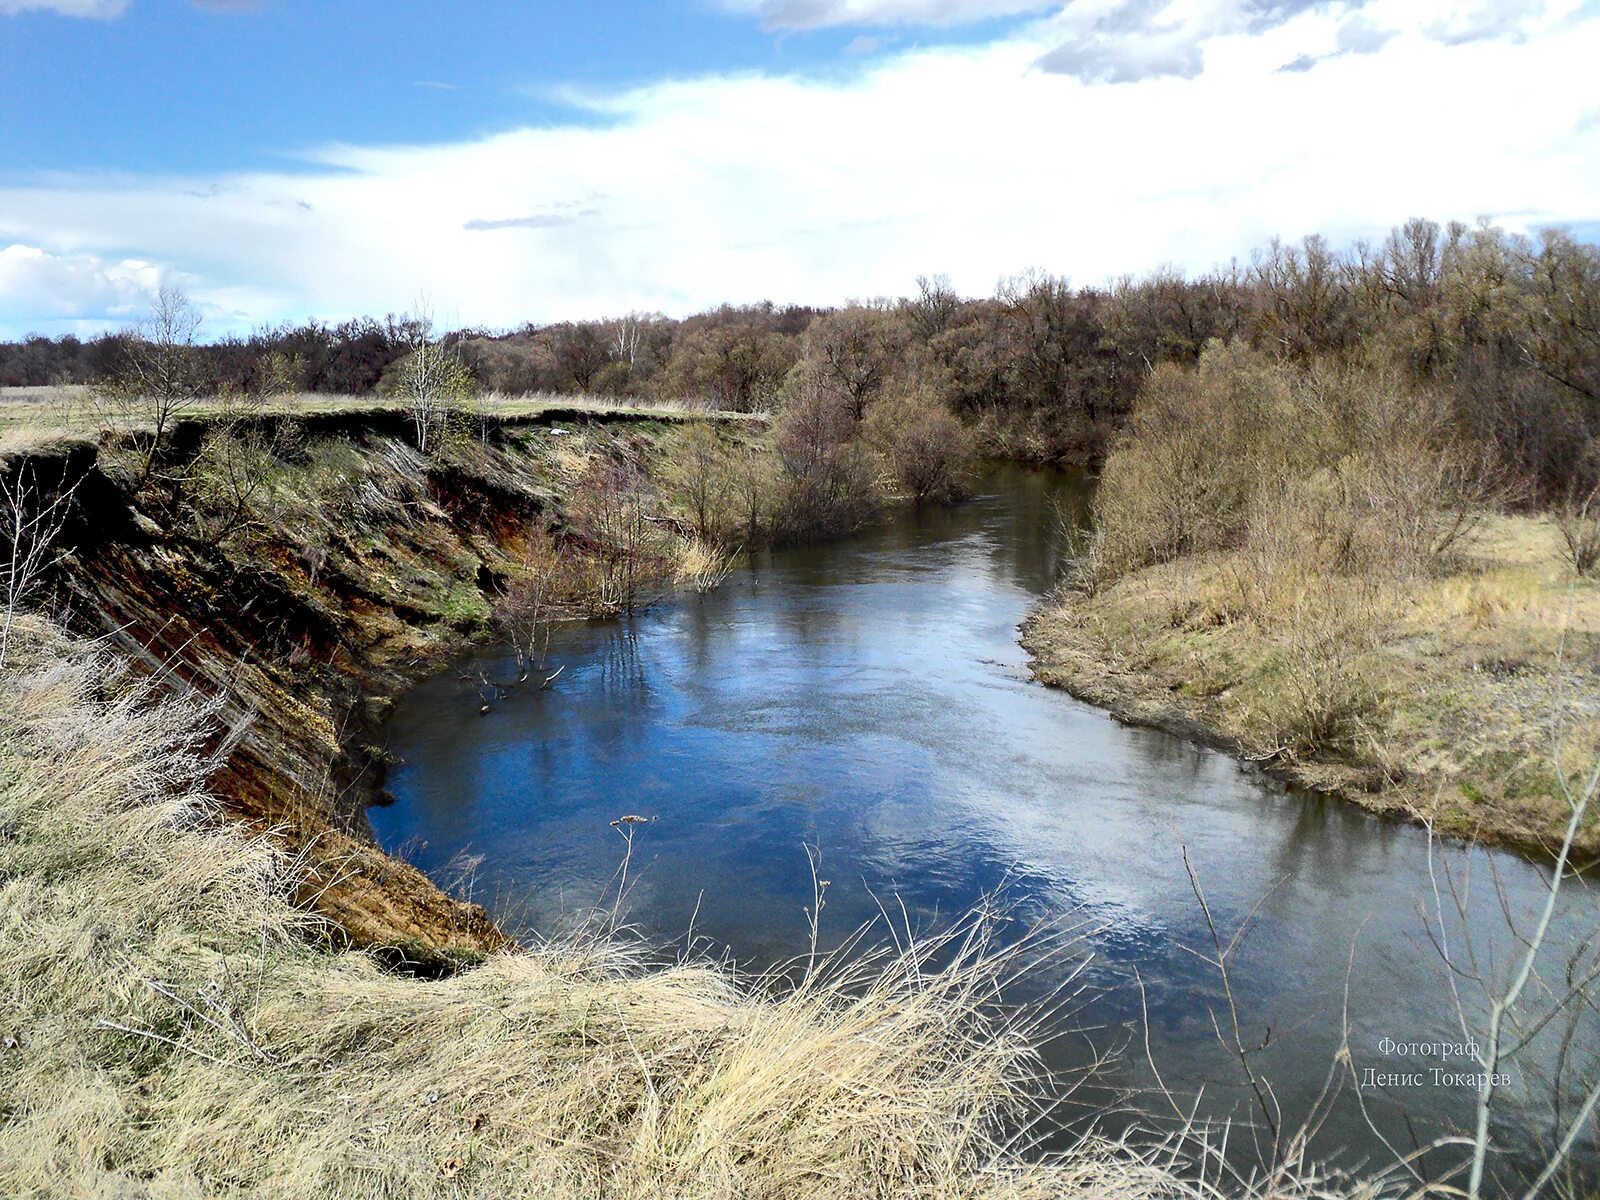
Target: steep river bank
(306, 587)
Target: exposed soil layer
(378, 566)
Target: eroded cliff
(308, 584)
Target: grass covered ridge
(168, 1030)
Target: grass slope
(1439, 697)
(168, 1030)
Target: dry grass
(168, 1031)
(34, 414)
(700, 565)
(1435, 694)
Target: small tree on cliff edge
(432, 378)
(159, 378)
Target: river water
(868, 698)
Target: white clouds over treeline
(975, 161)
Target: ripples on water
(869, 698)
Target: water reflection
(869, 698)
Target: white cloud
(99, 10)
(1122, 41)
(819, 14)
(863, 44)
(1486, 19)
(968, 161)
(54, 289)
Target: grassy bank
(170, 1025)
(32, 416)
(1312, 569)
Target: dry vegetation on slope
(168, 1029)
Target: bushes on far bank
(1331, 468)
(823, 470)
(1324, 561)
(1323, 487)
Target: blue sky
(169, 84)
(281, 159)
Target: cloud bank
(75, 288)
(973, 161)
(822, 14)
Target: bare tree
(580, 351)
(1579, 522)
(854, 349)
(433, 379)
(751, 484)
(614, 509)
(160, 377)
(934, 308)
(30, 523)
(527, 610)
(1304, 296)
(627, 335)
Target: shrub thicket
(1329, 467)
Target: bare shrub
(829, 481)
(1294, 530)
(698, 476)
(752, 485)
(1579, 523)
(1181, 479)
(530, 604)
(1151, 504)
(1318, 695)
(244, 445)
(614, 508)
(31, 520)
(927, 448)
(1331, 468)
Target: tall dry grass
(168, 1030)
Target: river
(868, 698)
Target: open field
(31, 416)
(1439, 698)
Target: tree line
(1507, 327)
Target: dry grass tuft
(701, 565)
